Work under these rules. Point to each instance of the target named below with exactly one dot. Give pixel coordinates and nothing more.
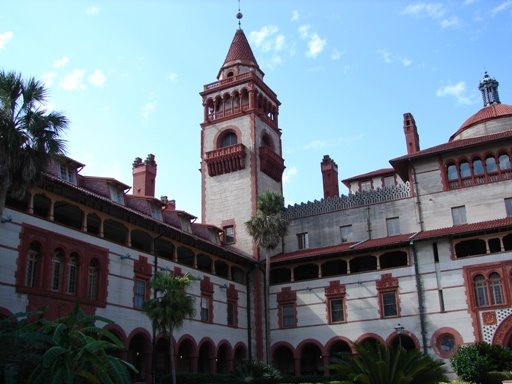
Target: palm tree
(377, 364)
(79, 352)
(267, 229)
(29, 135)
(169, 308)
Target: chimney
(144, 175)
(169, 205)
(330, 177)
(412, 138)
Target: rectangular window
(72, 272)
(156, 212)
(336, 310)
(205, 308)
(139, 294)
(116, 195)
(389, 181)
(346, 233)
(459, 215)
(393, 226)
(67, 174)
(288, 315)
(508, 206)
(229, 234)
(366, 185)
(303, 240)
(389, 304)
(185, 224)
(231, 314)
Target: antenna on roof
(239, 16)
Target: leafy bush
(474, 362)
(257, 372)
(378, 364)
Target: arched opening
(393, 259)
(283, 360)
(311, 360)
(405, 341)
(280, 275)
(186, 256)
(164, 249)
(240, 355)
(115, 231)
(222, 359)
(137, 356)
(237, 275)
(227, 139)
(221, 269)
(334, 268)
(470, 248)
(363, 264)
(66, 214)
(204, 263)
(184, 357)
(338, 350)
(162, 360)
(141, 241)
(507, 242)
(306, 272)
(41, 206)
(205, 358)
(93, 224)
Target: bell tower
(241, 154)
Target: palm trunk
(267, 306)
(171, 357)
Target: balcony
(225, 160)
(271, 163)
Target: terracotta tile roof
(240, 52)
(465, 229)
(487, 113)
(378, 172)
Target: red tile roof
(487, 113)
(240, 52)
(378, 172)
(465, 229)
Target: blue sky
(128, 76)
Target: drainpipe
(419, 283)
(248, 309)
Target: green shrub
(474, 362)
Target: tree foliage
(171, 306)
(29, 135)
(377, 364)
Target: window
(156, 211)
(31, 272)
(72, 273)
(389, 181)
(490, 165)
(478, 167)
(139, 293)
(229, 234)
(346, 233)
(288, 315)
(205, 308)
(366, 185)
(393, 226)
(303, 240)
(228, 139)
(92, 280)
(504, 161)
(67, 174)
(452, 172)
(336, 310)
(508, 206)
(480, 291)
(231, 314)
(459, 215)
(57, 260)
(389, 306)
(495, 289)
(465, 170)
(116, 195)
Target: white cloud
(405, 61)
(432, 10)
(97, 78)
(295, 15)
(5, 37)
(385, 55)
(502, 7)
(148, 109)
(315, 45)
(452, 21)
(458, 91)
(73, 80)
(335, 54)
(289, 173)
(59, 63)
(92, 10)
(304, 31)
(172, 77)
(48, 78)
(267, 40)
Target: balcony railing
(225, 160)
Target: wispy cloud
(148, 109)
(335, 54)
(315, 43)
(435, 11)
(389, 57)
(172, 77)
(295, 15)
(502, 7)
(97, 78)
(289, 173)
(4, 38)
(59, 63)
(92, 10)
(268, 39)
(458, 91)
(48, 78)
(73, 80)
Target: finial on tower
(239, 16)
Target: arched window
(504, 161)
(452, 172)
(465, 171)
(72, 273)
(92, 280)
(478, 167)
(57, 263)
(496, 288)
(229, 138)
(490, 164)
(480, 291)
(32, 268)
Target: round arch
(503, 334)
(284, 356)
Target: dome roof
(471, 127)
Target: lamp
(399, 329)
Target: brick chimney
(169, 205)
(330, 177)
(412, 138)
(144, 175)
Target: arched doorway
(283, 360)
(239, 355)
(162, 360)
(311, 360)
(223, 359)
(184, 357)
(139, 356)
(205, 358)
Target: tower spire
(239, 16)
(489, 88)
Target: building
(418, 253)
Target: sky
(128, 74)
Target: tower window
(459, 215)
(229, 138)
